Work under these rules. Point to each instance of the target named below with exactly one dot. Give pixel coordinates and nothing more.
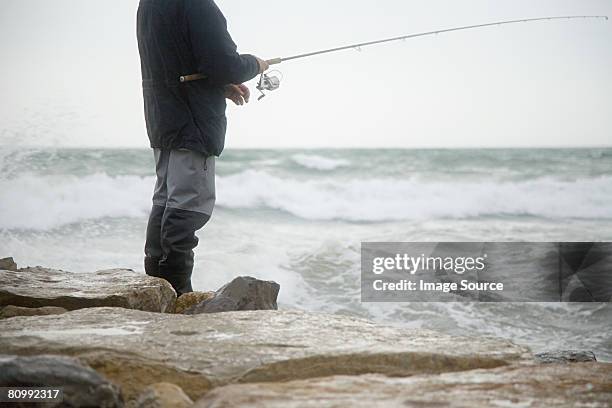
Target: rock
(8, 264)
(585, 385)
(188, 300)
(38, 287)
(14, 311)
(565, 356)
(82, 386)
(216, 304)
(136, 349)
(247, 293)
(163, 395)
(252, 294)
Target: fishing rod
(269, 82)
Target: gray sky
(70, 74)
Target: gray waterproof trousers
(183, 202)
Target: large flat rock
(38, 287)
(577, 385)
(135, 349)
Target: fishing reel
(268, 82)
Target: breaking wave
(46, 202)
(387, 199)
(316, 162)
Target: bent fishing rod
(270, 83)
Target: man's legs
(189, 195)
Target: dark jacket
(182, 37)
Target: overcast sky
(70, 74)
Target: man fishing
(186, 122)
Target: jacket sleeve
(214, 50)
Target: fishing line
(268, 82)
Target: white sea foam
(46, 202)
(386, 199)
(316, 162)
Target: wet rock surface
(135, 349)
(243, 293)
(39, 287)
(14, 311)
(565, 356)
(82, 386)
(579, 385)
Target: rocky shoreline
(120, 338)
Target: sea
(298, 217)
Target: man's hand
(263, 65)
(239, 94)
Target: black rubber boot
(178, 239)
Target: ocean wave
(315, 162)
(45, 202)
(387, 199)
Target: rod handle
(192, 77)
(274, 61)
